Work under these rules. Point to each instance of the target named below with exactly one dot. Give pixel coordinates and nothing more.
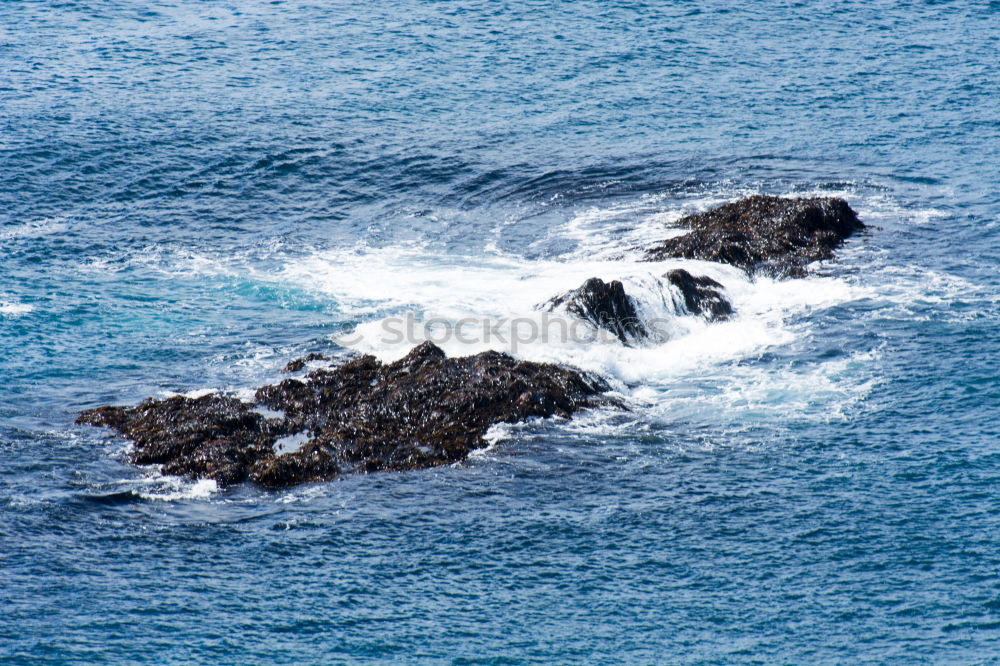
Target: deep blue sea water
(192, 194)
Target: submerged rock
(702, 295)
(603, 304)
(764, 234)
(421, 411)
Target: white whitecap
(165, 488)
(14, 309)
(37, 229)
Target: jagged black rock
(767, 235)
(362, 416)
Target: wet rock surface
(606, 305)
(603, 304)
(766, 235)
(702, 295)
(299, 363)
(421, 411)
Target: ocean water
(192, 194)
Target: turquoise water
(193, 194)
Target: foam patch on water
(12, 309)
(170, 261)
(165, 488)
(828, 390)
(193, 394)
(36, 229)
(496, 433)
(306, 493)
(468, 305)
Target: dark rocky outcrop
(764, 234)
(607, 306)
(214, 436)
(603, 304)
(702, 295)
(421, 411)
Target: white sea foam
(36, 229)
(13, 309)
(505, 292)
(165, 488)
(193, 394)
(496, 433)
(300, 494)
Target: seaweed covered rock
(603, 304)
(702, 295)
(213, 436)
(299, 363)
(764, 234)
(424, 409)
(421, 411)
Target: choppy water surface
(193, 194)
